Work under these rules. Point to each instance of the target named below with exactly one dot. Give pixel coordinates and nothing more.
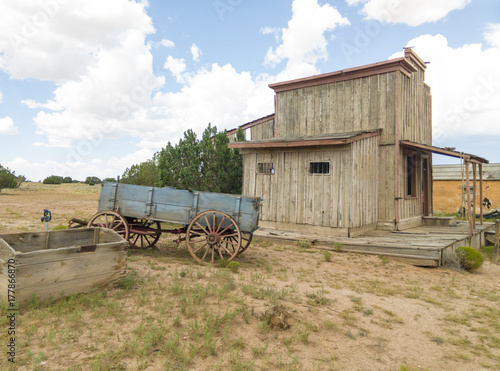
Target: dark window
(411, 175)
(319, 168)
(265, 168)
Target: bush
(7, 178)
(327, 255)
(470, 259)
(53, 179)
(233, 266)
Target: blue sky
(92, 87)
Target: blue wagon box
(53, 264)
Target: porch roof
(309, 141)
(444, 151)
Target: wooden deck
(423, 246)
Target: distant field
(341, 311)
(22, 208)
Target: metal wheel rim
(110, 220)
(208, 243)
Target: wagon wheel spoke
(218, 239)
(110, 220)
(146, 234)
(246, 239)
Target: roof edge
(391, 65)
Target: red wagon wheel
(110, 220)
(246, 239)
(144, 233)
(213, 235)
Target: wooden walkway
(423, 246)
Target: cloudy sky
(90, 87)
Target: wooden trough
(53, 264)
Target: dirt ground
(288, 307)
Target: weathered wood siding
(359, 104)
(364, 199)
(292, 195)
(264, 130)
(347, 197)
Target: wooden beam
(306, 142)
(474, 196)
(497, 241)
(481, 193)
(467, 187)
(466, 156)
(397, 150)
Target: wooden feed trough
(53, 264)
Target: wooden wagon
(214, 225)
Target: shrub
(470, 259)
(53, 179)
(234, 266)
(303, 244)
(327, 255)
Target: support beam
(467, 189)
(481, 193)
(474, 196)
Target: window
(319, 168)
(265, 168)
(411, 175)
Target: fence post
(497, 241)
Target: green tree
(67, 180)
(92, 180)
(205, 165)
(8, 178)
(180, 166)
(110, 180)
(53, 179)
(145, 173)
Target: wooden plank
(365, 105)
(497, 242)
(375, 95)
(358, 102)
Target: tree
(110, 180)
(8, 178)
(145, 173)
(92, 180)
(67, 180)
(53, 179)
(206, 165)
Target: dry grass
(352, 312)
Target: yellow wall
(447, 195)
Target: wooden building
(346, 152)
(448, 184)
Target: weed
(338, 246)
(350, 335)
(258, 351)
(303, 334)
(327, 255)
(303, 244)
(130, 281)
(437, 339)
(470, 259)
(318, 297)
(233, 266)
(384, 260)
(222, 263)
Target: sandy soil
(354, 312)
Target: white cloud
(1, 97)
(163, 43)
(7, 126)
(465, 85)
(303, 42)
(58, 40)
(50, 105)
(195, 52)
(411, 12)
(177, 66)
(219, 95)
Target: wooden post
(467, 188)
(497, 241)
(481, 193)
(474, 197)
